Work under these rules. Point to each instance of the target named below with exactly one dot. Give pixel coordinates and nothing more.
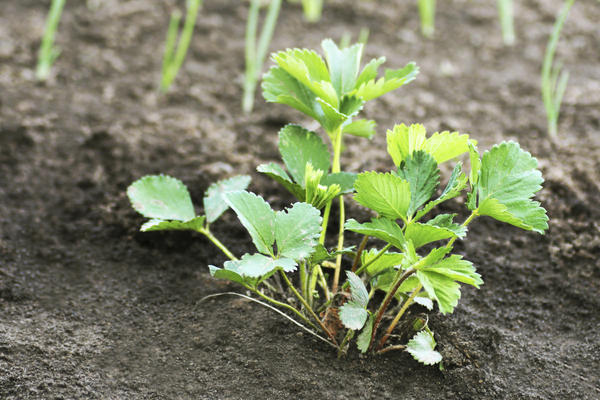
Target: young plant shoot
(554, 81)
(506, 13)
(312, 10)
(48, 53)
(405, 256)
(176, 50)
(427, 15)
(256, 49)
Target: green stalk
(173, 58)
(393, 324)
(48, 52)
(303, 280)
(312, 10)
(506, 12)
(427, 14)
(283, 305)
(335, 168)
(256, 51)
(554, 82)
(347, 338)
(206, 232)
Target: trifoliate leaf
(343, 65)
(278, 174)
(369, 72)
(257, 265)
(345, 180)
(364, 339)
(392, 80)
(161, 197)
(455, 267)
(214, 201)
(359, 292)
(195, 224)
(446, 145)
(422, 173)
(361, 127)
(456, 184)
(256, 216)
(422, 348)
(387, 261)
(508, 179)
(387, 194)
(381, 228)
(297, 231)
(281, 87)
(353, 316)
(299, 146)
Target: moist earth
(92, 308)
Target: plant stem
(308, 308)
(283, 305)
(393, 324)
(377, 256)
(471, 217)
(206, 232)
(335, 168)
(312, 10)
(48, 53)
(303, 280)
(361, 248)
(347, 338)
(427, 14)
(506, 12)
(390, 348)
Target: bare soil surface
(92, 308)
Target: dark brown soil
(91, 308)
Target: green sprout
(312, 10)
(427, 15)
(256, 51)
(48, 53)
(554, 79)
(405, 257)
(176, 50)
(506, 13)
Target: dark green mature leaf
(456, 184)
(361, 127)
(422, 348)
(387, 194)
(343, 65)
(392, 80)
(381, 228)
(364, 339)
(345, 180)
(455, 267)
(297, 231)
(277, 173)
(299, 146)
(161, 197)
(195, 224)
(421, 234)
(353, 314)
(508, 179)
(422, 173)
(256, 216)
(281, 87)
(214, 200)
(257, 265)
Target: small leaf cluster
(404, 263)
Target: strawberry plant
(405, 255)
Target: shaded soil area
(91, 308)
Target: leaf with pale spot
(161, 197)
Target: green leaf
(232, 276)
(214, 200)
(161, 197)
(256, 216)
(392, 80)
(345, 180)
(361, 127)
(299, 146)
(331, 118)
(456, 268)
(381, 228)
(364, 339)
(387, 261)
(321, 254)
(343, 65)
(351, 105)
(456, 184)
(297, 231)
(281, 87)
(446, 145)
(195, 224)
(421, 234)
(386, 194)
(475, 164)
(277, 173)
(369, 72)
(422, 348)
(508, 179)
(353, 316)
(316, 194)
(423, 176)
(440, 288)
(446, 221)
(257, 265)
(359, 292)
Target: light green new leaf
(446, 145)
(214, 200)
(392, 80)
(351, 105)
(361, 127)
(381, 228)
(278, 174)
(316, 194)
(446, 221)
(422, 173)
(387, 261)
(161, 197)
(195, 224)
(508, 179)
(257, 265)
(421, 234)
(387, 194)
(299, 146)
(456, 268)
(297, 231)
(422, 348)
(256, 216)
(364, 339)
(331, 119)
(281, 87)
(345, 180)
(440, 288)
(369, 72)
(475, 164)
(343, 65)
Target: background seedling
(427, 15)
(176, 50)
(506, 13)
(554, 80)
(256, 50)
(48, 53)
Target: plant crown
(411, 260)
